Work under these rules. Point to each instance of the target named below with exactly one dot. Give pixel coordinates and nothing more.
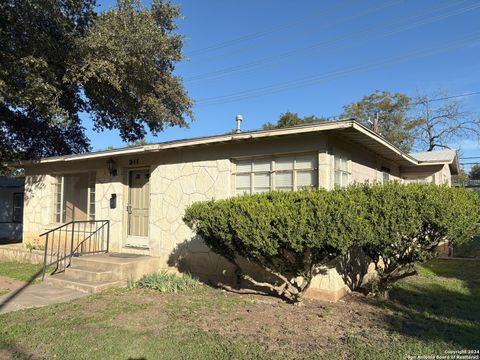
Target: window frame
(15, 208)
(59, 217)
(273, 171)
(345, 156)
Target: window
(341, 172)
(91, 196)
(18, 207)
(59, 214)
(285, 173)
(74, 197)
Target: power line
(447, 98)
(319, 27)
(326, 44)
(312, 80)
(259, 34)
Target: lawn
(437, 310)
(19, 271)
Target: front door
(138, 208)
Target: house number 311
(133, 162)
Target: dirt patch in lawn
(279, 326)
(8, 284)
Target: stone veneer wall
(173, 188)
(38, 206)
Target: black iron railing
(75, 238)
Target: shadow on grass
(12, 295)
(437, 306)
(9, 350)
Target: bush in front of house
(408, 222)
(166, 282)
(292, 235)
(288, 234)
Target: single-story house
(144, 190)
(11, 209)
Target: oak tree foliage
(59, 58)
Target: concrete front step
(88, 274)
(85, 286)
(122, 266)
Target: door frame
(127, 177)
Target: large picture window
(284, 173)
(74, 197)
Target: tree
(392, 110)
(438, 126)
(474, 173)
(38, 109)
(461, 177)
(289, 119)
(60, 58)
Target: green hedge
(291, 234)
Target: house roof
(11, 182)
(445, 156)
(439, 155)
(348, 128)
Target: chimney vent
(238, 119)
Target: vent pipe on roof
(238, 119)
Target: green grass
(435, 311)
(19, 271)
(169, 283)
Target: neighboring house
(144, 190)
(11, 209)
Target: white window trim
(343, 154)
(273, 170)
(57, 178)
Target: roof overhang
(350, 129)
(453, 164)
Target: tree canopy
(392, 111)
(289, 119)
(60, 58)
(443, 122)
(474, 173)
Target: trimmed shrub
(292, 235)
(169, 283)
(408, 222)
(288, 234)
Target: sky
(261, 58)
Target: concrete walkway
(35, 296)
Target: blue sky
(263, 58)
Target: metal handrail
(70, 230)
